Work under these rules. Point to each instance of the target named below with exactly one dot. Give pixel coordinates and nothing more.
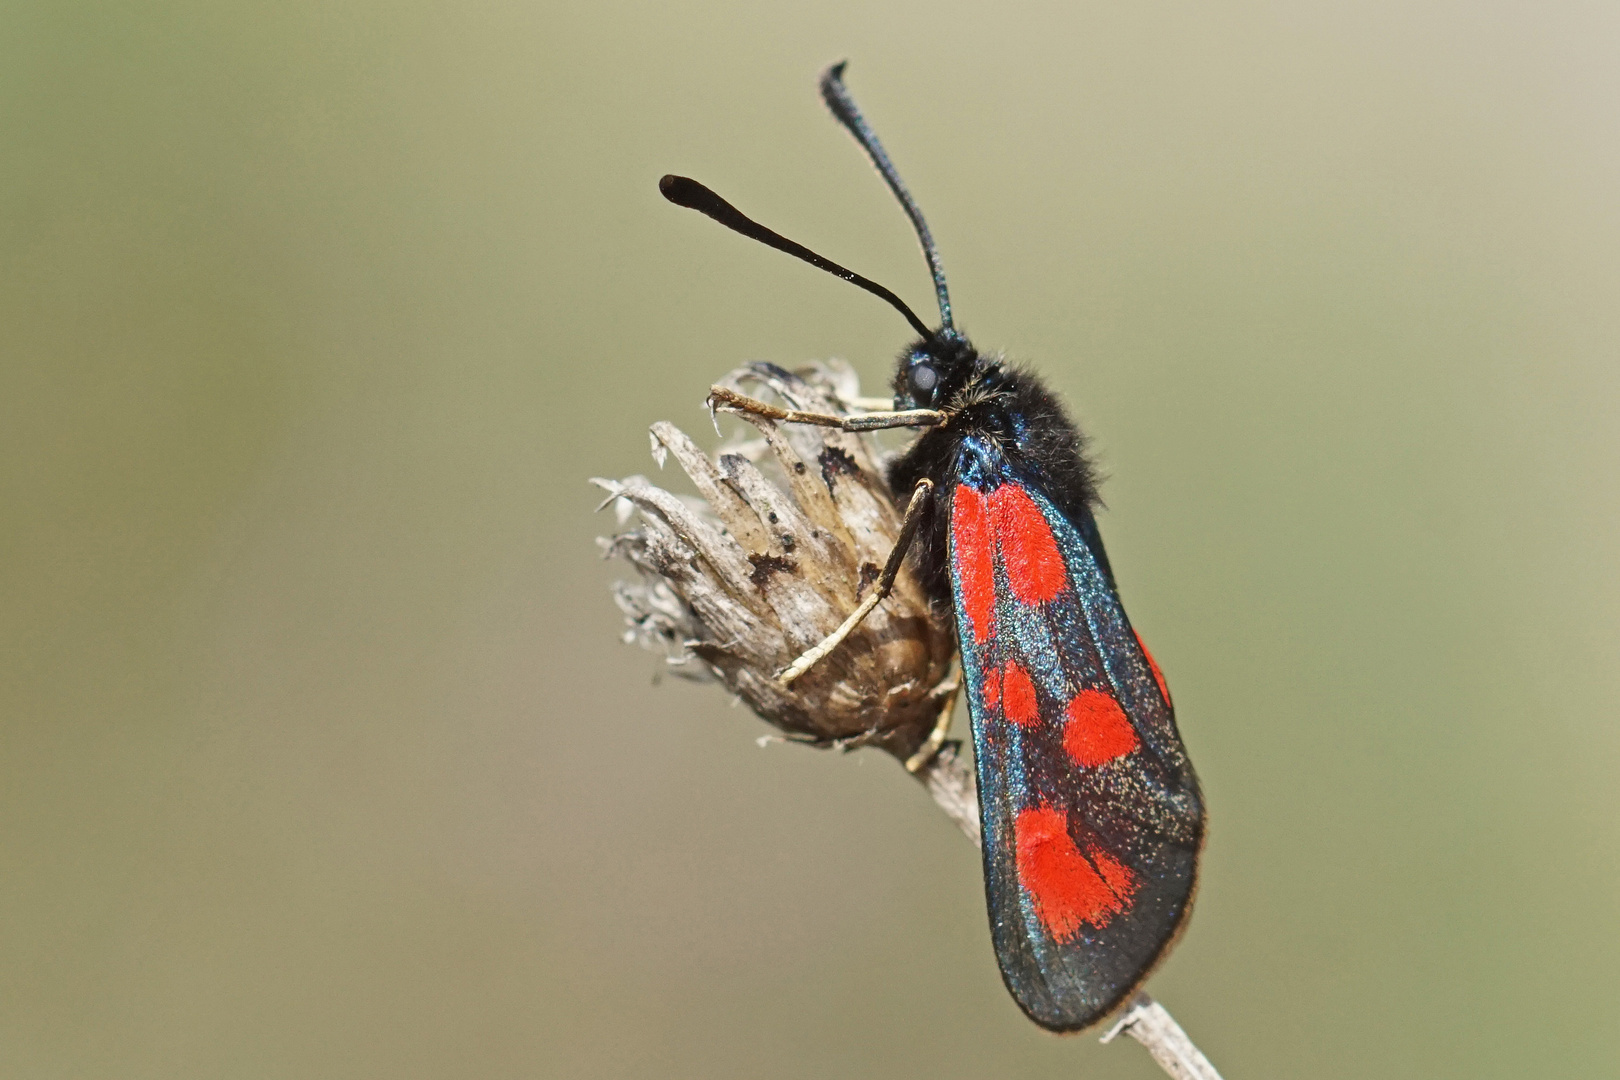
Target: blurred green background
(321, 756)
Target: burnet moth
(1092, 818)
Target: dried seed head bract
(792, 531)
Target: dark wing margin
(1091, 812)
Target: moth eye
(924, 378)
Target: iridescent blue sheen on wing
(1091, 812)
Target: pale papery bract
(776, 553)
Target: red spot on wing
(1115, 874)
(992, 688)
(1067, 888)
(1097, 730)
(1028, 549)
(972, 547)
(1018, 697)
(1158, 676)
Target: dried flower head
(792, 531)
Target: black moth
(1091, 813)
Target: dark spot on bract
(798, 467)
(772, 517)
(835, 462)
(766, 565)
(787, 541)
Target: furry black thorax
(990, 401)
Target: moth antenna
(683, 191)
(843, 107)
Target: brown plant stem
(951, 784)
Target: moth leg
(945, 693)
(885, 582)
(721, 397)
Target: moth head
(932, 371)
